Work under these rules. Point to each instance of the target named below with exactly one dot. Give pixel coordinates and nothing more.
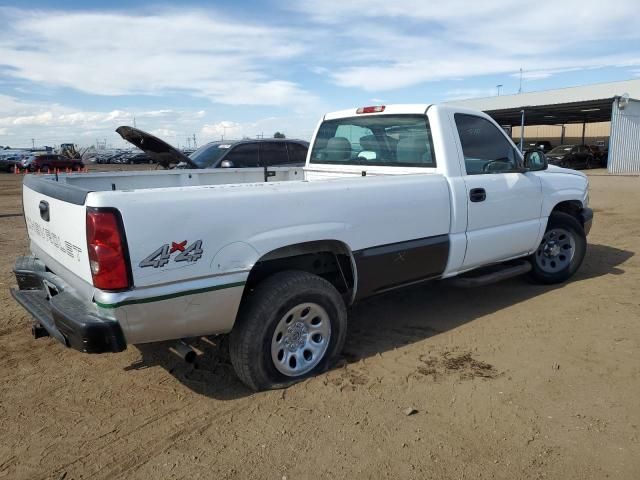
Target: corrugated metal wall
(624, 144)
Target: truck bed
(74, 187)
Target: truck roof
(399, 108)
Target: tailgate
(58, 228)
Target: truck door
(504, 203)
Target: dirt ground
(510, 381)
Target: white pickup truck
(389, 196)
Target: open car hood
(159, 150)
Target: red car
(50, 161)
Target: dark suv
(572, 156)
(250, 153)
(50, 162)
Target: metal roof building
(617, 102)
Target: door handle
(477, 195)
(43, 206)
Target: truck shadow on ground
(380, 324)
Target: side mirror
(226, 164)
(535, 160)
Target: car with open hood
(244, 153)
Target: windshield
(562, 149)
(209, 154)
(388, 140)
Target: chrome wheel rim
(555, 251)
(300, 339)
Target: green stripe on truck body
(169, 296)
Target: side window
(244, 156)
(273, 153)
(485, 148)
(297, 153)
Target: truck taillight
(106, 245)
(374, 109)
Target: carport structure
(617, 102)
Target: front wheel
(561, 250)
(290, 327)
(589, 164)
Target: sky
(73, 71)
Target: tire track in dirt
(126, 461)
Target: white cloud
(294, 127)
(201, 52)
(464, 93)
(224, 129)
(392, 45)
(164, 133)
(54, 123)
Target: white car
(389, 196)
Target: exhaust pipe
(184, 351)
(38, 331)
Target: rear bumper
(72, 321)
(586, 217)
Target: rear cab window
(375, 140)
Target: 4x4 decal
(162, 256)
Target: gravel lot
(513, 381)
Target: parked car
(138, 158)
(9, 159)
(544, 145)
(222, 154)
(389, 197)
(251, 153)
(49, 162)
(572, 156)
(600, 154)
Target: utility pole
(134, 122)
(33, 143)
(498, 87)
(195, 145)
(520, 89)
(189, 143)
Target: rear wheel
(561, 250)
(291, 327)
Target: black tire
(559, 221)
(250, 342)
(589, 164)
